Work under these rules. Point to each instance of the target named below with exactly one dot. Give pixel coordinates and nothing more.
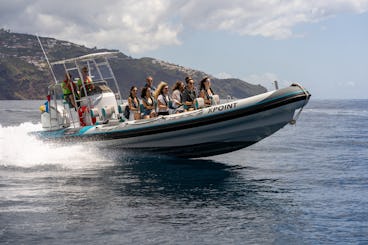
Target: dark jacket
(189, 95)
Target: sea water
(306, 184)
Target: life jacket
(191, 94)
(208, 97)
(168, 103)
(148, 103)
(67, 87)
(87, 82)
(134, 104)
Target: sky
(322, 44)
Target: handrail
(85, 57)
(307, 97)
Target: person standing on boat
(149, 84)
(163, 99)
(134, 104)
(177, 97)
(189, 94)
(148, 102)
(87, 81)
(69, 88)
(206, 91)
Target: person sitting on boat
(149, 103)
(149, 84)
(68, 89)
(87, 81)
(189, 94)
(163, 99)
(134, 105)
(206, 91)
(177, 97)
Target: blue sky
(321, 44)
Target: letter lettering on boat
(222, 107)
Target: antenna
(47, 60)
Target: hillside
(24, 73)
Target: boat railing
(98, 68)
(101, 74)
(57, 100)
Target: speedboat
(223, 127)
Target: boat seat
(198, 103)
(95, 113)
(215, 100)
(107, 112)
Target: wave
(17, 110)
(337, 112)
(20, 149)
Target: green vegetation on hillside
(25, 75)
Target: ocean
(306, 184)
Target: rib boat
(223, 127)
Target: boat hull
(211, 139)
(206, 132)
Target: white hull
(239, 132)
(209, 131)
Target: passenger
(177, 97)
(206, 91)
(87, 81)
(149, 84)
(189, 94)
(163, 99)
(68, 89)
(134, 105)
(148, 102)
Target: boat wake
(20, 149)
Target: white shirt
(161, 99)
(176, 98)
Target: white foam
(19, 148)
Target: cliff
(24, 73)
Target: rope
(296, 117)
